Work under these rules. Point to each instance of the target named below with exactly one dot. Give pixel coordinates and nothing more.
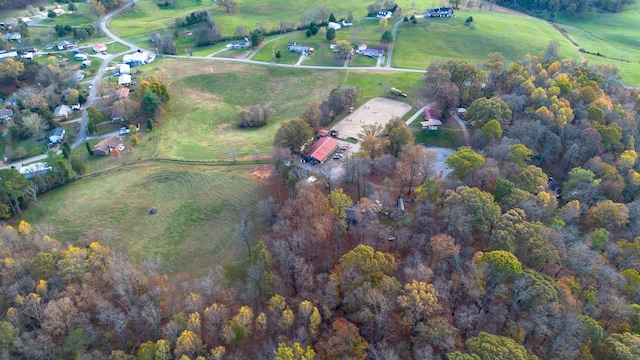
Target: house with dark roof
(321, 150)
(240, 44)
(56, 135)
(107, 145)
(64, 45)
(374, 53)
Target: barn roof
(429, 114)
(322, 149)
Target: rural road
(84, 119)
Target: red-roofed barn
(321, 150)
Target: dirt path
(463, 127)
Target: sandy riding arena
(376, 110)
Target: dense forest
(529, 249)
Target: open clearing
(376, 110)
(192, 230)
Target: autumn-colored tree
(607, 214)
(487, 346)
(342, 341)
(464, 161)
(293, 134)
(418, 301)
(398, 135)
(295, 352)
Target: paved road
(82, 135)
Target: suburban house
(124, 69)
(346, 23)
(6, 114)
(300, 49)
(372, 53)
(334, 26)
(64, 45)
(56, 135)
(383, 14)
(443, 11)
(107, 145)
(81, 57)
(240, 44)
(34, 170)
(321, 150)
(138, 58)
(124, 80)
(8, 55)
(61, 112)
(122, 93)
(13, 37)
(99, 48)
(431, 121)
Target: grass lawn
(194, 225)
(449, 135)
(361, 60)
(82, 16)
(449, 38)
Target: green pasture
(192, 229)
(449, 135)
(361, 60)
(201, 116)
(613, 35)
(149, 17)
(449, 38)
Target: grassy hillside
(514, 36)
(206, 100)
(614, 36)
(193, 228)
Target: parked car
(48, 47)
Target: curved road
(82, 135)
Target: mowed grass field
(200, 120)
(449, 38)
(613, 35)
(192, 230)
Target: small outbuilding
(431, 121)
(81, 57)
(334, 26)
